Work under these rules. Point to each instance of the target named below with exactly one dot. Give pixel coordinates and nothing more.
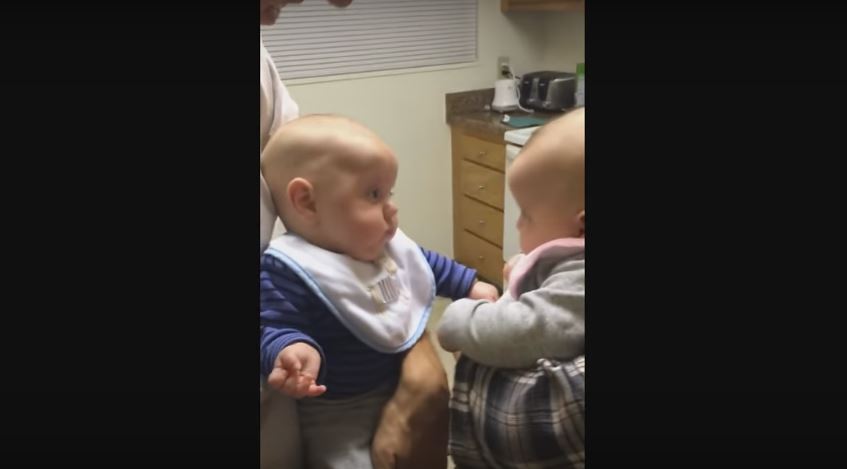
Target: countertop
(466, 110)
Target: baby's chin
(370, 256)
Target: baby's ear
(301, 197)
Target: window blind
(317, 39)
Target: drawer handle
(481, 187)
(481, 154)
(482, 222)
(482, 258)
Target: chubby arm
(548, 322)
(284, 327)
(452, 280)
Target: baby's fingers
(277, 378)
(315, 390)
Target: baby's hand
(483, 291)
(507, 268)
(295, 371)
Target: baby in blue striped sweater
(344, 293)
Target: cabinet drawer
(482, 220)
(485, 153)
(481, 255)
(482, 184)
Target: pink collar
(562, 247)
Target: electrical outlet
(503, 67)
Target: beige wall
(565, 45)
(407, 109)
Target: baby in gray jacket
(527, 349)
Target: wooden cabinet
(478, 186)
(482, 220)
(483, 184)
(485, 257)
(541, 5)
(482, 152)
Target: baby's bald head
(548, 178)
(317, 148)
(309, 145)
(554, 157)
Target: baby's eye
(374, 194)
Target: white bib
(385, 304)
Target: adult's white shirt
(275, 108)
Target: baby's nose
(390, 210)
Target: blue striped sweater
(291, 313)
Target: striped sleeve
(282, 324)
(452, 280)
